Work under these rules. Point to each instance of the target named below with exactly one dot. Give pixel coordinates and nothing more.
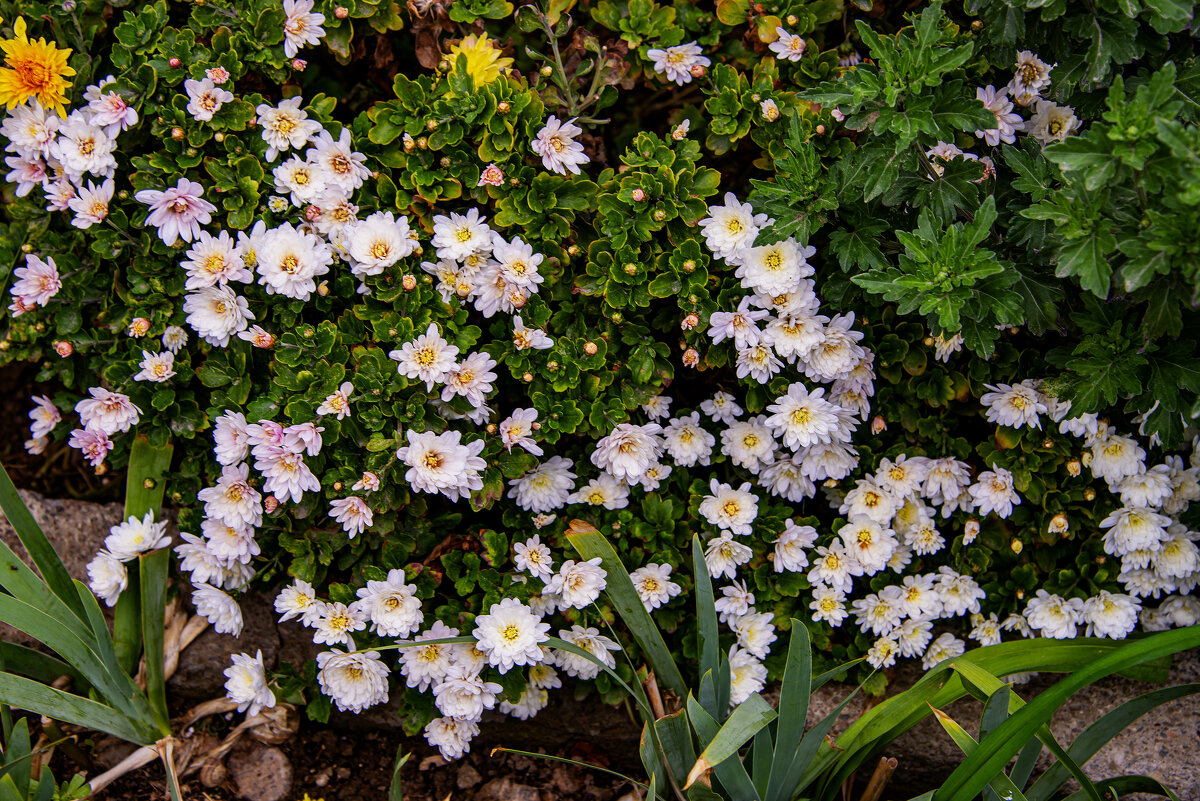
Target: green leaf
(747, 719)
(794, 693)
(27, 694)
(1000, 783)
(1086, 259)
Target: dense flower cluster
(398, 348)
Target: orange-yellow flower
(484, 62)
(36, 69)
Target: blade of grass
(730, 772)
(706, 617)
(590, 544)
(55, 574)
(794, 693)
(1124, 785)
(34, 696)
(1000, 783)
(553, 758)
(34, 664)
(750, 717)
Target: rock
(506, 789)
(260, 772)
(201, 665)
(467, 777)
(76, 529)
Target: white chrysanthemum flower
(834, 460)
(741, 326)
(298, 601)
(829, 605)
(879, 613)
(1015, 405)
(723, 556)
(1177, 557)
(747, 675)
(1115, 457)
(603, 490)
(510, 634)
(233, 500)
(246, 684)
(174, 338)
(687, 442)
(839, 352)
(946, 480)
(1134, 529)
(457, 236)
(533, 557)
(216, 313)
(592, 641)
(1051, 122)
(285, 474)
(392, 606)
(30, 129)
(629, 450)
(441, 463)
(452, 738)
(721, 408)
(335, 623)
(45, 416)
(338, 402)
(353, 513)
(993, 491)
(654, 586)
(676, 62)
(133, 537)
(749, 443)
(731, 229)
(463, 695)
(344, 168)
(289, 260)
(787, 46)
(903, 477)
(428, 358)
(107, 577)
(300, 178)
(218, 608)
(301, 26)
(1151, 488)
(1110, 615)
(730, 509)
(792, 546)
(472, 378)
(516, 263)
(532, 701)
(946, 646)
(1032, 76)
(793, 336)
(1054, 616)
(205, 98)
(546, 487)
(912, 637)
(835, 566)
(578, 583)
(871, 544)
(658, 407)
(755, 632)
(527, 338)
(556, 144)
(426, 665)
(960, 594)
(785, 479)
(83, 148)
(378, 242)
(1008, 122)
(803, 419)
(91, 204)
(758, 362)
(774, 269)
(986, 630)
(924, 538)
(285, 126)
(919, 598)
(871, 501)
(354, 681)
(883, 653)
(110, 412)
(734, 602)
(155, 367)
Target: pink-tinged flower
(492, 176)
(258, 337)
(205, 99)
(36, 283)
(338, 403)
(691, 357)
(177, 212)
(138, 327)
(91, 204)
(369, 482)
(786, 46)
(301, 26)
(109, 110)
(556, 144)
(64, 348)
(353, 513)
(285, 474)
(45, 417)
(518, 430)
(106, 411)
(1008, 122)
(217, 75)
(94, 444)
(27, 172)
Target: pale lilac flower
(177, 212)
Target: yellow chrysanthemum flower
(37, 69)
(484, 62)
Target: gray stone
(201, 665)
(260, 772)
(506, 789)
(467, 777)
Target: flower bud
(312, 213)
(659, 215)
(503, 107)
(409, 282)
(528, 377)
(337, 486)
(573, 250)
(618, 318)
(422, 142)
(101, 469)
(431, 125)
(630, 269)
(590, 348)
(177, 134)
(491, 428)
(689, 266)
(1089, 494)
(341, 12)
(64, 348)
(323, 289)
(1047, 443)
(139, 326)
(552, 366)
(698, 71)
(878, 425)
(689, 322)
(26, 248)
(462, 289)
(218, 137)
(639, 195)
(409, 143)
(1059, 523)
(1016, 545)
(1074, 468)
(691, 357)
(445, 162)
(970, 531)
(270, 504)
(174, 62)
(792, 19)
(821, 130)
(298, 64)
(546, 71)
